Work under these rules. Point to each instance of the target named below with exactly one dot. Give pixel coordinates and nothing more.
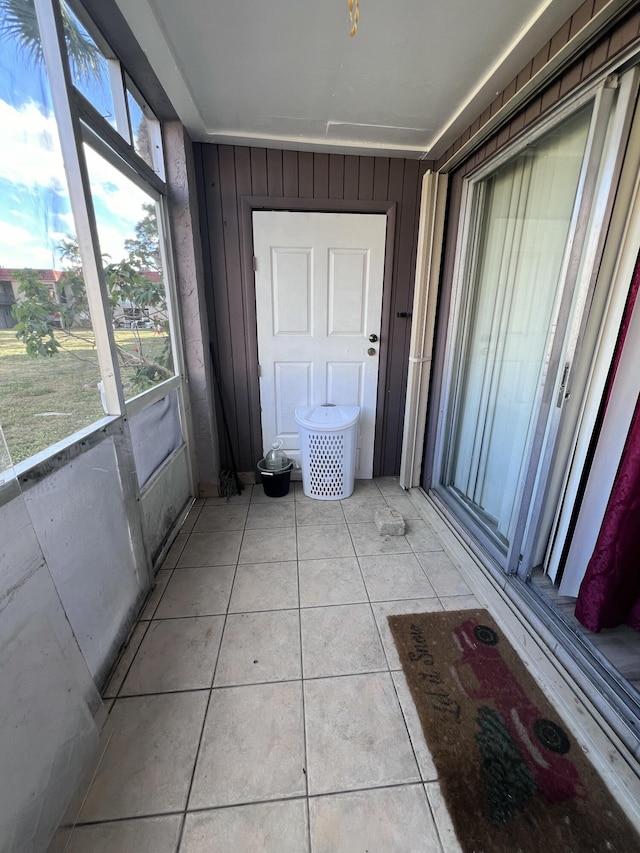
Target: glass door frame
(611, 98)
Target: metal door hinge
(255, 264)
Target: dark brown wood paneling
(290, 174)
(274, 174)
(259, 183)
(365, 187)
(351, 176)
(321, 176)
(336, 176)
(235, 181)
(305, 174)
(381, 178)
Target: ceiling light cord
(354, 16)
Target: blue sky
(34, 208)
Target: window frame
(79, 122)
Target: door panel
(319, 280)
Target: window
(49, 373)
(127, 219)
(85, 313)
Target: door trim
(249, 204)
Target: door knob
(371, 351)
(373, 338)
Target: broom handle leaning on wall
(239, 485)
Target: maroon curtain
(610, 590)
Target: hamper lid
(327, 416)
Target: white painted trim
(430, 241)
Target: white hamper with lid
(328, 436)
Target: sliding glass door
(521, 219)
(530, 233)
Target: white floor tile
(265, 586)
(421, 536)
(340, 640)
(223, 517)
(386, 820)
(404, 505)
(442, 573)
(259, 647)
(389, 486)
(252, 748)
(332, 581)
(365, 489)
(266, 827)
(215, 548)
(362, 509)
(270, 515)
(268, 545)
(423, 756)
(143, 835)
(319, 512)
(203, 591)
(460, 602)
(447, 833)
(147, 765)
(176, 654)
(394, 576)
(356, 737)
(324, 542)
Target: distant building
(125, 316)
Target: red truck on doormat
(482, 673)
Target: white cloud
(18, 248)
(29, 148)
(30, 158)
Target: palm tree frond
(19, 24)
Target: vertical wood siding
(229, 176)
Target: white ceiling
(284, 73)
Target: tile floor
(260, 704)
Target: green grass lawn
(43, 400)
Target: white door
(319, 283)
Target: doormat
(513, 777)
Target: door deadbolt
(371, 351)
(373, 338)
